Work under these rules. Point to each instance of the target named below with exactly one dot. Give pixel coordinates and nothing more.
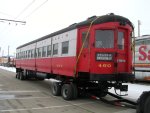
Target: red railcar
(93, 54)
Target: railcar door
(122, 51)
(83, 50)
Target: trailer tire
(21, 76)
(17, 75)
(141, 102)
(67, 92)
(75, 91)
(103, 93)
(56, 88)
(147, 105)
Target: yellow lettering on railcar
(105, 65)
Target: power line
(19, 13)
(36, 8)
(5, 14)
(25, 8)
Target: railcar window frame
(44, 51)
(29, 53)
(55, 49)
(39, 52)
(36, 52)
(121, 40)
(65, 47)
(49, 50)
(32, 53)
(86, 44)
(26, 54)
(101, 42)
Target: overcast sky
(46, 16)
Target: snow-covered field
(135, 90)
(12, 69)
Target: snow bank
(12, 69)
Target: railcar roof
(101, 19)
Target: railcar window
(137, 43)
(26, 54)
(86, 44)
(120, 40)
(147, 42)
(29, 52)
(36, 53)
(65, 47)
(32, 53)
(18, 56)
(44, 51)
(39, 52)
(55, 49)
(140, 42)
(22, 55)
(49, 50)
(104, 39)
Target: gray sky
(47, 16)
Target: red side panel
(26, 64)
(43, 65)
(60, 65)
(64, 66)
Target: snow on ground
(12, 69)
(134, 90)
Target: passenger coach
(93, 54)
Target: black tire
(141, 102)
(17, 75)
(55, 88)
(103, 93)
(75, 91)
(21, 76)
(67, 92)
(147, 105)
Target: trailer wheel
(67, 92)
(75, 91)
(147, 105)
(141, 102)
(56, 89)
(17, 75)
(21, 76)
(103, 92)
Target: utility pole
(139, 23)
(8, 51)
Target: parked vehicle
(142, 58)
(7, 61)
(92, 56)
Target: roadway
(34, 96)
